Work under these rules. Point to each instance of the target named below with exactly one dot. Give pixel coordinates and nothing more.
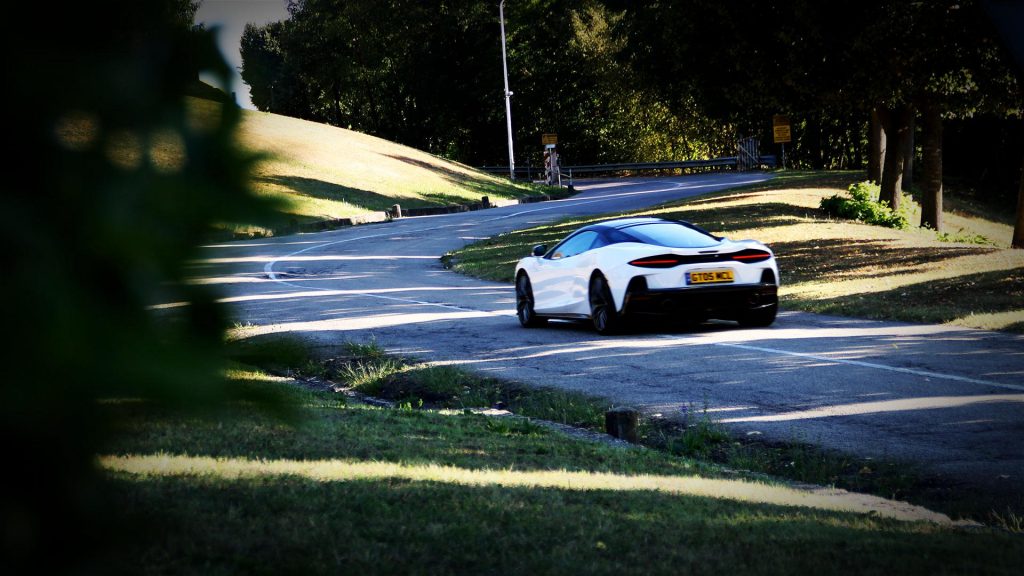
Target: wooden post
(396, 211)
(622, 423)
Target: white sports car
(635, 267)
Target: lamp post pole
(508, 95)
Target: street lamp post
(508, 94)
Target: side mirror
(540, 249)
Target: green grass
(302, 526)
(696, 436)
(831, 265)
(341, 486)
(367, 369)
(320, 172)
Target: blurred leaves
(112, 186)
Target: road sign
(549, 139)
(780, 129)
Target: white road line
(268, 269)
(923, 373)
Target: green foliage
(112, 186)
(964, 237)
(274, 81)
(371, 376)
(426, 75)
(863, 205)
(275, 352)
(365, 350)
(625, 81)
(369, 370)
(701, 436)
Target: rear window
(671, 235)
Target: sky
(231, 16)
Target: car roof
(620, 223)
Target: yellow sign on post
(780, 129)
(546, 139)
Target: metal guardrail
(727, 162)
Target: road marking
(922, 373)
(878, 407)
(272, 275)
(268, 269)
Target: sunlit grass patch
(252, 375)
(341, 470)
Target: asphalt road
(948, 399)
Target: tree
(274, 82)
(896, 125)
(876, 147)
(1008, 19)
(429, 76)
(937, 58)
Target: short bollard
(622, 423)
(486, 201)
(396, 211)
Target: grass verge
(828, 265)
(344, 486)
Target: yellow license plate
(709, 277)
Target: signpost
(781, 133)
(552, 174)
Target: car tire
(760, 317)
(603, 314)
(524, 304)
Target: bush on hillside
(863, 205)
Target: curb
(377, 217)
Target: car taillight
(664, 261)
(750, 255)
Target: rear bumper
(709, 302)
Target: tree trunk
(1018, 229)
(931, 158)
(854, 132)
(876, 147)
(337, 105)
(895, 123)
(812, 136)
(908, 156)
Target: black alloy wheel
(602, 306)
(524, 304)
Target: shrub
(964, 237)
(863, 205)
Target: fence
(746, 160)
(748, 156)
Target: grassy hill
(322, 172)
